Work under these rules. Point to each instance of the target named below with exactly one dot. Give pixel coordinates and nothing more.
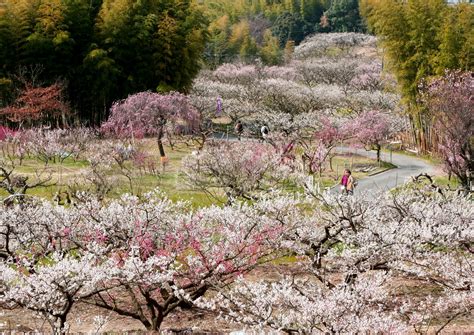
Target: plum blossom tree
(208, 108)
(310, 85)
(14, 146)
(205, 249)
(319, 44)
(353, 254)
(297, 305)
(148, 113)
(17, 184)
(5, 132)
(13, 182)
(325, 70)
(368, 76)
(314, 156)
(141, 258)
(371, 129)
(244, 74)
(240, 170)
(57, 144)
(111, 162)
(50, 288)
(47, 146)
(331, 133)
(450, 101)
(144, 257)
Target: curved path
(407, 167)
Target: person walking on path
(347, 183)
(239, 128)
(264, 131)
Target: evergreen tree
(409, 32)
(343, 16)
(421, 38)
(103, 50)
(289, 26)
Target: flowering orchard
(145, 257)
(160, 254)
(70, 160)
(272, 253)
(297, 102)
(345, 89)
(354, 255)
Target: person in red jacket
(347, 182)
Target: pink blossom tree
(331, 133)
(140, 258)
(201, 250)
(5, 132)
(149, 113)
(450, 100)
(371, 129)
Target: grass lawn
(444, 181)
(429, 158)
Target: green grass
(429, 158)
(444, 181)
(352, 162)
(168, 180)
(441, 181)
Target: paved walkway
(407, 167)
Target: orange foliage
(35, 103)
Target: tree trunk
(159, 140)
(378, 148)
(59, 325)
(203, 141)
(156, 322)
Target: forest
(96, 52)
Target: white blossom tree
(141, 258)
(356, 258)
(238, 170)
